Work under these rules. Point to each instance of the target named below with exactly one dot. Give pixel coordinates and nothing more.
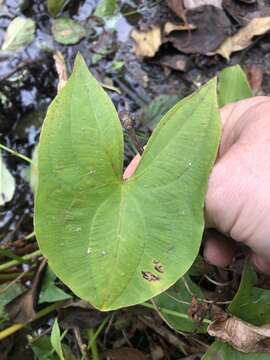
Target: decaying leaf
(177, 7)
(61, 70)
(177, 62)
(20, 33)
(255, 78)
(243, 38)
(192, 4)
(22, 308)
(212, 28)
(241, 335)
(66, 31)
(147, 42)
(80, 314)
(7, 183)
(125, 353)
(170, 27)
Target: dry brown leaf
(255, 78)
(147, 42)
(177, 62)
(124, 354)
(212, 28)
(177, 7)
(243, 38)
(170, 27)
(241, 335)
(61, 70)
(80, 314)
(22, 308)
(192, 4)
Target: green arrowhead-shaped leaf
(103, 236)
(232, 86)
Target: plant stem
(15, 153)
(174, 313)
(96, 334)
(16, 327)
(94, 351)
(12, 263)
(111, 88)
(30, 236)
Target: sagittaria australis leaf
(104, 236)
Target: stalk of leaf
(15, 153)
(16, 327)
(12, 263)
(171, 312)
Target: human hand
(237, 202)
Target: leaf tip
(79, 61)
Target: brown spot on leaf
(147, 275)
(158, 267)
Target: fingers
(219, 250)
(132, 167)
(233, 119)
(261, 263)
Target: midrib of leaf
(129, 279)
(118, 236)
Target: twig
(172, 312)
(203, 300)
(165, 333)
(21, 67)
(12, 263)
(177, 300)
(217, 283)
(30, 236)
(16, 327)
(128, 125)
(13, 281)
(111, 88)
(15, 153)
(82, 346)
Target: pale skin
(237, 203)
